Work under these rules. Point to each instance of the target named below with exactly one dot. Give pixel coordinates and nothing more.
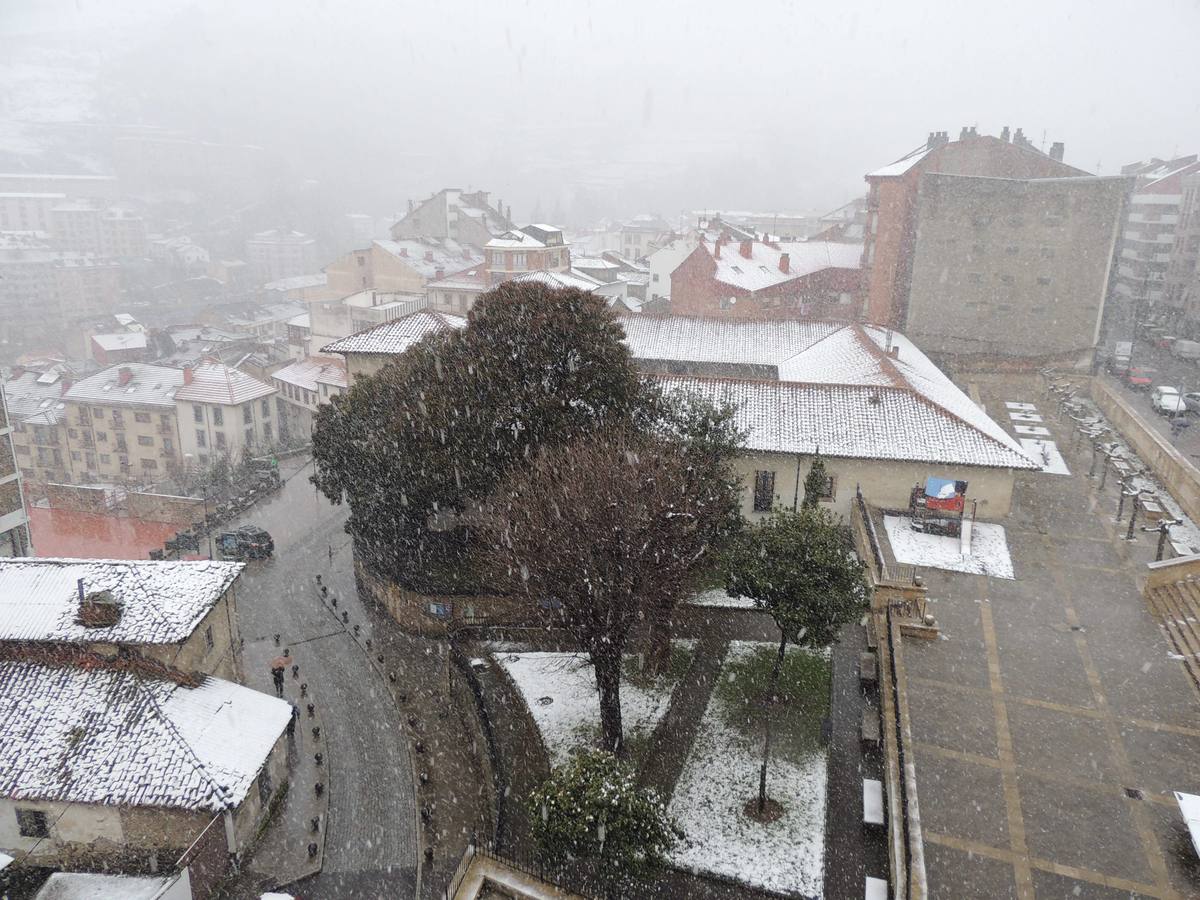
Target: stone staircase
(1176, 605)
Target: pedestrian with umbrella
(278, 665)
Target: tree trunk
(769, 716)
(608, 684)
(658, 656)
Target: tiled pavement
(1050, 723)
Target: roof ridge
(885, 362)
(821, 339)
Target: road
(370, 848)
(1178, 373)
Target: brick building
(14, 521)
(751, 277)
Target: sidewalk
(281, 855)
(454, 794)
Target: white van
(1186, 349)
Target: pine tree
(815, 482)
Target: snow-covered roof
(762, 269)
(313, 370)
(558, 279)
(903, 164)
(472, 278)
(96, 886)
(304, 320)
(161, 602)
(214, 382)
(517, 239)
(397, 335)
(123, 340)
(108, 733)
(916, 409)
(427, 256)
(146, 386)
(34, 398)
(296, 282)
(281, 236)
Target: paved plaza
(1050, 720)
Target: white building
(223, 412)
(302, 387)
(280, 253)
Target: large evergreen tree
(432, 433)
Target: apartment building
(46, 449)
(280, 253)
(464, 216)
(534, 248)
(14, 521)
(302, 387)
(1141, 281)
(223, 412)
(1183, 271)
(125, 420)
(964, 234)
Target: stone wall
(181, 511)
(438, 614)
(1173, 469)
(79, 498)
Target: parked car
(247, 542)
(1192, 400)
(1139, 378)
(1167, 401)
(1186, 349)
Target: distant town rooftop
(213, 382)
(312, 371)
(398, 335)
(129, 384)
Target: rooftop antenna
(888, 348)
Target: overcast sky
(639, 105)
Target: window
(975, 277)
(197, 414)
(1044, 279)
(71, 432)
(149, 463)
(32, 823)
(201, 438)
(75, 455)
(266, 406)
(1047, 253)
(266, 431)
(208, 638)
(247, 414)
(105, 459)
(121, 445)
(98, 413)
(249, 437)
(764, 491)
(1011, 250)
(218, 416)
(654, 277)
(362, 260)
(220, 440)
(518, 260)
(1006, 279)
(145, 441)
(144, 418)
(164, 421)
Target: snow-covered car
(1167, 401)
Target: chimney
(439, 273)
(1004, 134)
(1056, 151)
(895, 352)
(747, 249)
(124, 375)
(717, 248)
(428, 256)
(785, 263)
(410, 206)
(187, 374)
(404, 252)
(932, 141)
(1019, 137)
(963, 134)
(99, 609)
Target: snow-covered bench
(872, 802)
(867, 670)
(876, 889)
(870, 726)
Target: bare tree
(602, 533)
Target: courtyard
(1051, 719)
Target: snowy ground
(989, 549)
(1046, 455)
(560, 691)
(719, 597)
(721, 775)
(1037, 430)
